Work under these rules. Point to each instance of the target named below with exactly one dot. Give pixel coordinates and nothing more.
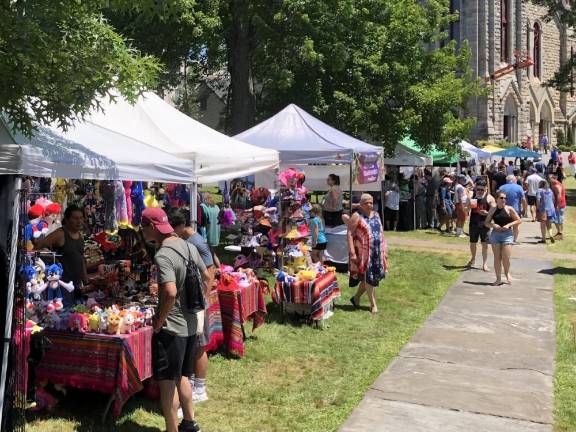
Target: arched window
(537, 47)
(504, 30)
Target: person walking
(532, 185)
(461, 202)
(432, 190)
(501, 219)
(319, 240)
(367, 250)
(180, 221)
(543, 142)
(515, 199)
(560, 200)
(445, 205)
(332, 205)
(392, 207)
(546, 210)
(572, 162)
(420, 201)
(499, 178)
(176, 323)
(480, 205)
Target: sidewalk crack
(528, 369)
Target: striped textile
(214, 317)
(238, 305)
(105, 363)
(317, 293)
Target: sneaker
(189, 426)
(200, 396)
(180, 413)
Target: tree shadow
(559, 271)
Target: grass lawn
(429, 235)
(568, 245)
(565, 375)
(295, 378)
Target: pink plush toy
(78, 322)
(128, 193)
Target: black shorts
(320, 246)
(531, 200)
(479, 232)
(391, 215)
(172, 356)
(332, 218)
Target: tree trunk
(242, 111)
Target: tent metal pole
(194, 199)
(350, 188)
(10, 290)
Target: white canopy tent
(473, 151)
(302, 139)
(405, 156)
(215, 156)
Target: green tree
(58, 57)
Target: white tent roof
(404, 156)
(87, 151)
(473, 151)
(303, 139)
(216, 156)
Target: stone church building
(518, 105)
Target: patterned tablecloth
(238, 304)
(317, 293)
(110, 364)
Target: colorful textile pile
(214, 322)
(238, 304)
(110, 364)
(317, 293)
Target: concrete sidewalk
(483, 361)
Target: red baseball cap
(157, 217)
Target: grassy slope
(565, 375)
(568, 245)
(296, 378)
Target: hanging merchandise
(53, 217)
(36, 226)
(107, 190)
(120, 204)
(138, 206)
(128, 198)
(150, 200)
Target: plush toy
(54, 321)
(148, 316)
(150, 200)
(54, 305)
(78, 322)
(138, 206)
(113, 324)
(34, 285)
(127, 324)
(306, 275)
(36, 227)
(53, 217)
(103, 324)
(53, 284)
(128, 196)
(94, 322)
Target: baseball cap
(157, 217)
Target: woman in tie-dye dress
(368, 256)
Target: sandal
(353, 301)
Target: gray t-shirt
(172, 268)
(203, 248)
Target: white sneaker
(180, 413)
(200, 396)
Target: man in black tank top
(478, 211)
(68, 242)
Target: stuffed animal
(94, 322)
(36, 227)
(34, 285)
(53, 217)
(78, 322)
(55, 305)
(113, 324)
(150, 200)
(127, 324)
(53, 283)
(121, 205)
(306, 275)
(54, 321)
(103, 325)
(148, 316)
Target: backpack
(194, 296)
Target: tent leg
(10, 290)
(193, 204)
(350, 177)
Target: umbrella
(492, 148)
(516, 152)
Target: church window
(537, 51)
(504, 30)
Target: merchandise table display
(114, 364)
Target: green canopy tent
(438, 157)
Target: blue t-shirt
(514, 195)
(316, 222)
(198, 241)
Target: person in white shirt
(532, 183)
(392, 207)
(461, 202)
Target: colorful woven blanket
(214, 316)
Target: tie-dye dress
(370, 247)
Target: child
(318, 234)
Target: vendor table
(114, 364)
(238, 304)
(319, 294)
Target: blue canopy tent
(517, 152)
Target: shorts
(559, 216)
(545, 217)
(320, 246)
(172, 356)
(531, 200)
(479, 232)
(332, 218)
(502, 237)
(460, 213)
(391, 215)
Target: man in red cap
(175, 324)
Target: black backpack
(194, 295)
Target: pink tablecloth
(109, 364)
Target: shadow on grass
(478, 283)
(85, 408)
(460, 268)
(559, 271)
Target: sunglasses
(502, 198)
